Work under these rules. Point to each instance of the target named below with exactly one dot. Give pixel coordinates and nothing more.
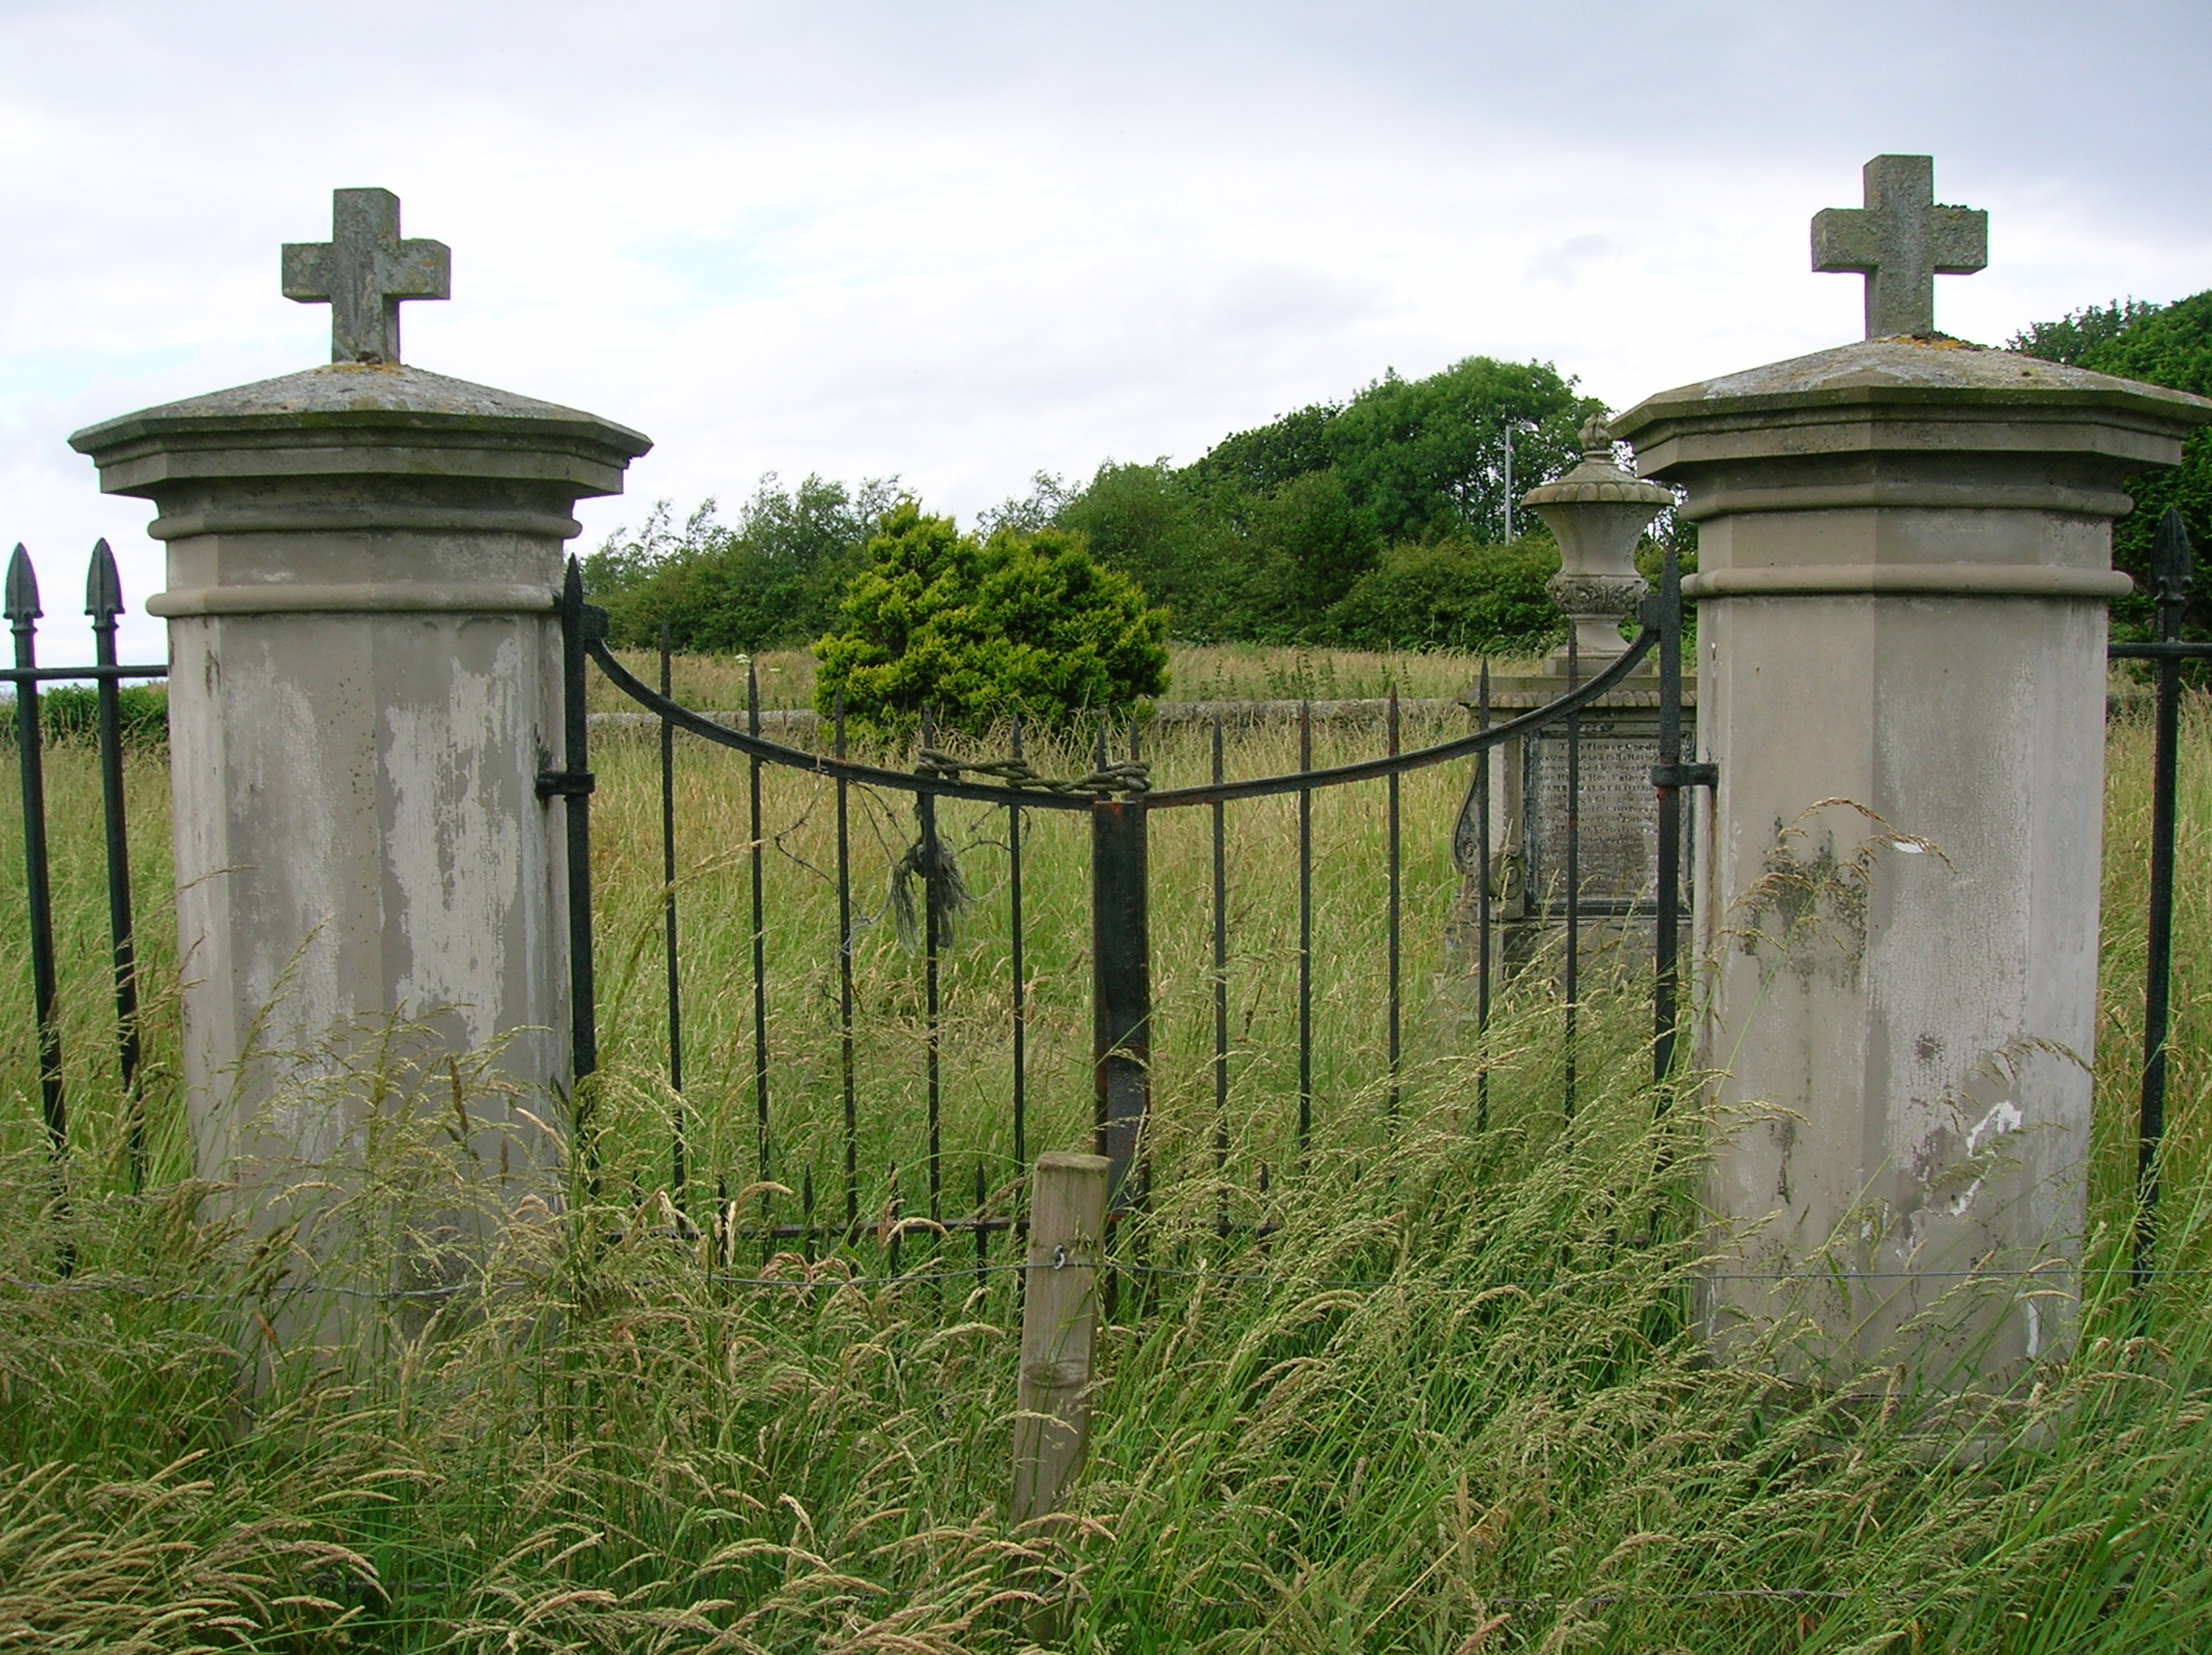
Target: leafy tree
(770, 578)
(2170, 346)
(1455, 594)
(1256, 462)
(1426, 457)
(1310, 542)
(2079, 331)
(1147, 521)
(1265, 534)
(975, 629)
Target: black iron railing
(1119, 802)
(1120, 806)
(2171, 567)
(103, 603)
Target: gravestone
(365, 689)
(1598, 512)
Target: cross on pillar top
(363, 272)
(1900, 241)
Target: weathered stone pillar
(1904, 561)
(365, 683)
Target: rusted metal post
(1059, 1326)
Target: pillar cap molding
(1879, 400)
(354, 597)
(351, 419)
(1908, 580)
(1931, 377)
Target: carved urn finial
(1597, 513)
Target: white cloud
(967, 242)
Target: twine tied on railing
(928, 859)
(1131, 778)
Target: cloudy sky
(966, 240)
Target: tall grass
(1442, 1401)
(1196, 671)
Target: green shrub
(71, 710)
(1455, 596)
(974, 630)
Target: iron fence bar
(104, 602)
(822, 764)
(1221, 990)
(1305, 933)
(847, 1076)
(1018, 966)
(925, 805)
(891, 1219)
(1420, 758)
(105, 672)
(1482, 901)
(1141, 1170)
(807, 1213)
(982, 1231)
(1042, 798)
(23, 613)
(760, 936)
(1393, 738)
(2166, 649)
(1120, 989)
(668, 899)
(2171, 559)
(1669, 802)
(1574, 870)
(572, 784)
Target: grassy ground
(1208, 672)
(1447, 1404)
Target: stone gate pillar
(1905, 562)
(366, 682)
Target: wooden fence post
(1060, 1324)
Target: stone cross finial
(363, 272)
(1900, 241)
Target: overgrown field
(1196, 671)
(1443, 1403)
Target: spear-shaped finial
(102, 585)
(22, 605)
(2170, 562)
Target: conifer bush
(974, 630)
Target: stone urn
(1597, 513)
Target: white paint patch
(1903, 849)
(455, 855)
(2034, 1328)
(1966, 1199)
(2003, 1116)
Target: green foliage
(974, 629)
(1268, 536)
(2170, 346)
(1455, 594)
(772, 578)
(2079, 331)
(1425, 458)
(71, 712)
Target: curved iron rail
(1259, 787)
(1420, 758)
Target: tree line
(1381, 521)
(1376, 522)
(2161, 344)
